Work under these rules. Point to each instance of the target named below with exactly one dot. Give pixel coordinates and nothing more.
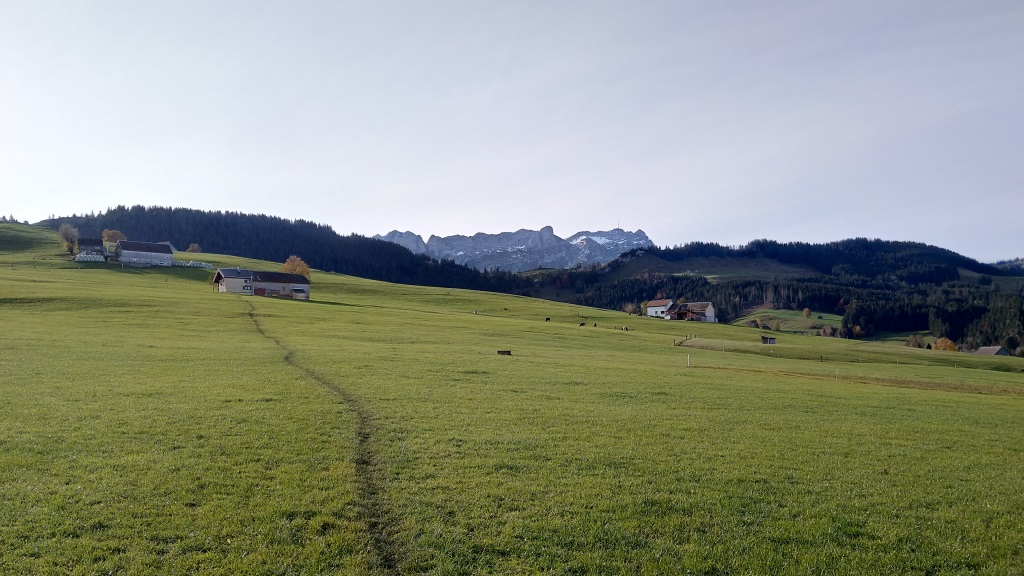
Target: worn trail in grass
(374, 509)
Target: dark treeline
(857, 261)
(275, 239)
(1014, 267)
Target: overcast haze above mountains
(523, 249)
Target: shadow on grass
(329, 303)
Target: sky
(693, 121)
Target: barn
(992, 351)
(93, 246)
(697, 311)
(280, 284)
(143, 253)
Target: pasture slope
(153, 426)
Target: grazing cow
(625, 328)
(583, 323)
(595, 324)
(548, 319)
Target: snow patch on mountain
(524, 249)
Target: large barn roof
(280, 277)
(151, 247)
(992, 351)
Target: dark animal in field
(595, 324)
(547, 319)
(504, 352)
(583, 323)
(625, 328)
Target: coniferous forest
(877, 286)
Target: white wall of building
(130, 257)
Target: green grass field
(791, 321)
(151, 425)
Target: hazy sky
(709, 121)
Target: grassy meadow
(151, 425)
(791, 321)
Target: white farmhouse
(234, 280)
(657, 308)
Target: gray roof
(152, 247)
(992, 351)
(279, 277)
(234, 272)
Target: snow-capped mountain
(601, 247)
(524, 249)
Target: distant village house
(694, 311)
(671, 310)
(657, 308)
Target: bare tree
(69, 235)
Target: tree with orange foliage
(112, 236)
(944, 344)
(295, 265)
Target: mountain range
(524, 249)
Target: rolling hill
(153, 425)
